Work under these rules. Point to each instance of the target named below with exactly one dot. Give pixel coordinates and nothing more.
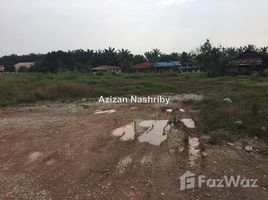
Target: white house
(26, 65)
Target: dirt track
(64, 151)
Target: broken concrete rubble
(177, 141)
(127, 132)
(97, 112)
(189, 123)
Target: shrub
(39, 94)
(265, 73)
(254, 109)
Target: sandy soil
(65, 151)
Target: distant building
(2, 68)
(107, 68)
(23, 66)
(142, 67)
(167, 66)
(188, 65)
(250, 63)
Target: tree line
(213, 60)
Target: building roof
(24, 64)
(187, 61)
(106, 67)
(249, 61)
(99, 68)
(110, 67)
(144, 65)
(167, 64)
(175, 62)
(2, 68)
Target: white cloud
(173, 2)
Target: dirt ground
(62, 150)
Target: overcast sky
(138, 25)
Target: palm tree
(110, 50)
(153, 56)
(125, 58)
(184, 55)
(125, 53)
(138, 59)
(250, 48)
(149, 56)
(240, 50)
(110, 56)
(264, 50)
(230, 51)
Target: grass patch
(245, 115)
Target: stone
(238, 122)
(204, 154)
(248, 148)
(230, 144)
(228, 100)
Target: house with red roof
(142, 67)
(2, 68)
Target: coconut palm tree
(230, 51)
(153, 56)
(138, 59)
(250, 48)
(264, 50)
(110, 56)
(125, 58)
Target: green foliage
(265, 72)
(254, 109)
(173, 120)
(11, 60)
(30, 87)
(39, 94)
(213, 60)
(153, 56)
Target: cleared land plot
(62, 149)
